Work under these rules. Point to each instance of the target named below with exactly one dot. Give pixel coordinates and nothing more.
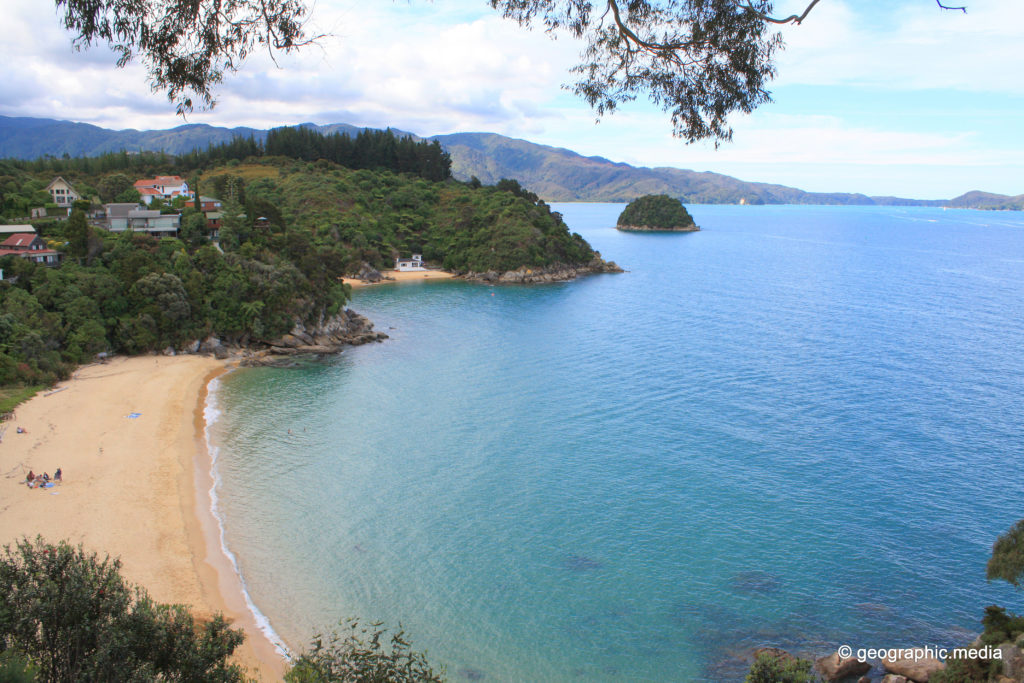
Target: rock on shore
(556, 273)
(330, 335)
(647, 228)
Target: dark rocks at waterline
(647, 228)
(556, 273)
(330, 335)
(368, 273)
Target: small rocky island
(656, 213)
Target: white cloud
(911, 45)
(457, 66)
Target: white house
(165, 186)
(62, 193)
(414, 263)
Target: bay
(801, 426)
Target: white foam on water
(212, 414)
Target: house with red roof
(30, 246)
(164, 186)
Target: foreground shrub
(358, 655)
(769, 668)
(77, 619)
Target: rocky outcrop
(368, 273)
(329, 335)
(917, 670)
(556, 273)
(1013, 660)
(835, 668)
(647, 228)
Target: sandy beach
(401, 276)
(128, 435)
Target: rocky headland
(559, 272)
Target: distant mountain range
(554, 173)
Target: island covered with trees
(656, 213)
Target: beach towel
(132, 416)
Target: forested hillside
(553, 173)
(130, 292)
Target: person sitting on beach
(30, 478)
(21, 430)
(57, 476)
(46, 476)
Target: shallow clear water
(801, 426)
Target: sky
(883, 97)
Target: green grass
(11, 397)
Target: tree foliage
(73, 616)
(770, 668)
(362, 654)
(656, 211)
(186, 45)
(1007, 561)
(699, 60)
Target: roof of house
(148, 190)
(120, 209)
(54, 182)
(20, 240)
(8, 229)
(30, 252)
(159, 180)
(144, 213)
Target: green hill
(553, 173)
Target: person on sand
(46, 476)
(31, 476)
(21, 430)
(58, 475)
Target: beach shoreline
(130, 437)
(397, 276)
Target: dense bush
(769, 668)
(1007, 561)
(656, 211)
(73, 617)
(362, 654)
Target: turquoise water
(801, 426)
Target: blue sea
(800, 427)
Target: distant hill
(554, 173)
(986, 200)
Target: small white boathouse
(406, 264)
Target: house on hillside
(61, 192)
(406, 264)
(212, 208)
(205, 204)
(30, 246)
(164, 186)
(129, 217)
